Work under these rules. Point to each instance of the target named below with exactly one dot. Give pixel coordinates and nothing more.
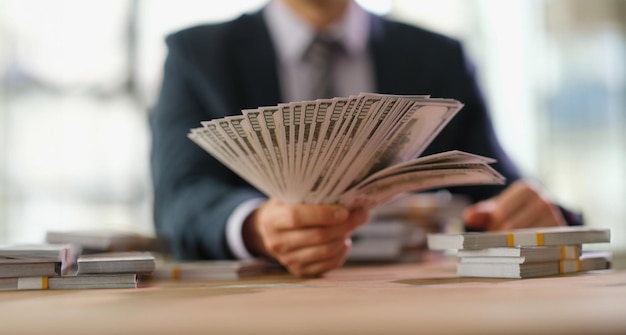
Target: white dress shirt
(353, 74)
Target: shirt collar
(292, 34)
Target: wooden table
(424, 298)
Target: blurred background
(77, 78)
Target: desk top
(424, 297)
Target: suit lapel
(256, 58)
(389, 62)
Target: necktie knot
(320, 56)
(322, 47)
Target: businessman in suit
(259, 59)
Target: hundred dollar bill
(284, 121)
(264, 147)
(238, 126)
(338, 166)
(272, 133)
(340, 119)
(318, 128)
(215, 143)
(384, 189)
(306, 131)
(330, 128)
(355, 159)
(453, 158)
(405, 135)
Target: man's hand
(308, 240)
(521, 205)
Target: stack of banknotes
(358, 151)
(63, 267)
(525, 253)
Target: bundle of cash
(211, 269)
(60, 267)
(358, 151)
(525, 253)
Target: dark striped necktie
(320, 56)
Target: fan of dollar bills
(357, 151)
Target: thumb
(478, 215)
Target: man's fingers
(521, 205)
(478, 215)
(285, 217)
(512, 200)
(301, 235)
(537, 213)
(281, 236)
(315, 260)
(321, 267)
(314, 215)
(294, 239)
(357, 218)
(523, 217)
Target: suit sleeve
(194, 194)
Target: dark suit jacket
(216, 70)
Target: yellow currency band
(570, 251)
(175, 272)
(510, 239)
(578, 266)
(540, 239)
(44, 283)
